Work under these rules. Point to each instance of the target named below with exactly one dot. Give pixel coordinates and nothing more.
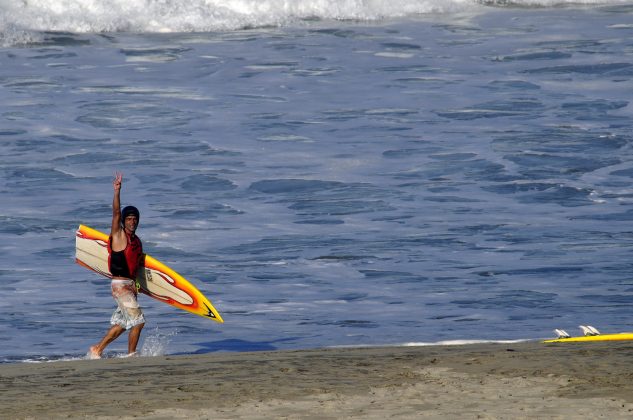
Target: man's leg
(113, 333)
(133, 337)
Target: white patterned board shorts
(128, 312)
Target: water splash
(156, 343)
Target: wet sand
(522, 380)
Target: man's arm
(116, 232)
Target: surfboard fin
(593, 330)
(561, 333)
(589, 330)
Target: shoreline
(492, 380)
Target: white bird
(593, 330)
(561, 333)
(588, 331)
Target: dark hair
(129, 211)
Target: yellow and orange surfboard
(155, 278)
(593, 338)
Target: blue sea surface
(395, 173)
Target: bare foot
(133, 354)
(93, 353)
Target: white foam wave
(87, 16)
(20, 18)
(464, 342)
(440, 343)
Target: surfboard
(589, 338)
(154, 278)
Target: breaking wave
(22, 20)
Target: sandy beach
(519, 380)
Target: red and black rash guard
(125, 263)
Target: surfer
(125, 256)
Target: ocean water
(329, 173)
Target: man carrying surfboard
(125, 256)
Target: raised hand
(118, 180)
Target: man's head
(130, 217)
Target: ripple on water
(207, 182)
(154, 54)
(605, 69)
(561, 140)
(593, 109)
(525, 107)
(532, 56)
(541, 193)
(132, 115)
